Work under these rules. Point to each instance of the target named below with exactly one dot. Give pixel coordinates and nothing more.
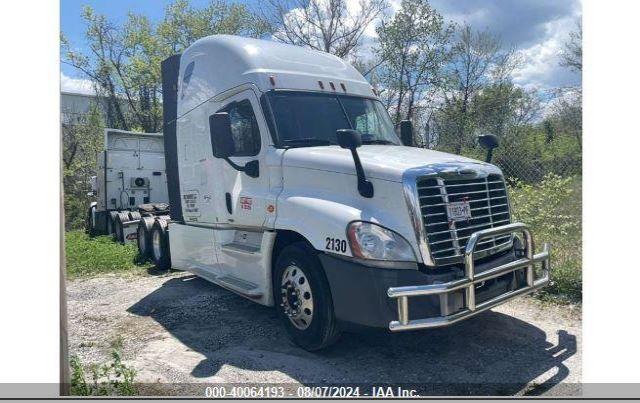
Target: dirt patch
(181, 332)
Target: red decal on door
(245, 203)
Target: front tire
(303, 298)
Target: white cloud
(541, 61)
(353, 8)
(76, 85)
(538, 29)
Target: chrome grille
(489, 205)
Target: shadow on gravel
(490, 354)
(156, 271)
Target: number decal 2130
(336, 245)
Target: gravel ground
(180, 332)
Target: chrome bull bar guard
(470, 279)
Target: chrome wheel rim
(142, 242)
(157, 247)
(297, 298)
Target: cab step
(241, 248)
(238, 285)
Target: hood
(384, 162)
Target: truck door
(241, 203)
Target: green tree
(124, 61)
(566, 115)
(566, 112)
(82, 140)
(503, 108)
(507, 111)
(412, 49)
(332, 26)
(478, 61)
(571, 56)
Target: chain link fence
(529, 156)
(543, 170)
(521, 164)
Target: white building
(75, 106)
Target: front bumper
(471, 280)
(381, 296)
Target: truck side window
(188, 72)
(244, 128)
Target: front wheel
(303, 298)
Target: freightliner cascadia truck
(289, 186)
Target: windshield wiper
(378, 141)
(309, 141)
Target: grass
(112, 378)
(88, 257)
(553, 209)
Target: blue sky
(536, 28)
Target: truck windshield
(311, 119)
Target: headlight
(371, 241)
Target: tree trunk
(462, 123)
(396, 119)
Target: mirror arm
(365, 188)
(251, 171)
(234, 165)
(489, 154)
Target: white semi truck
(289, 186)
(130, 182)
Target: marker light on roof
(272, 80)
(344, 88)
(333, 87)
(321, 84)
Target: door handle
(227, 197)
